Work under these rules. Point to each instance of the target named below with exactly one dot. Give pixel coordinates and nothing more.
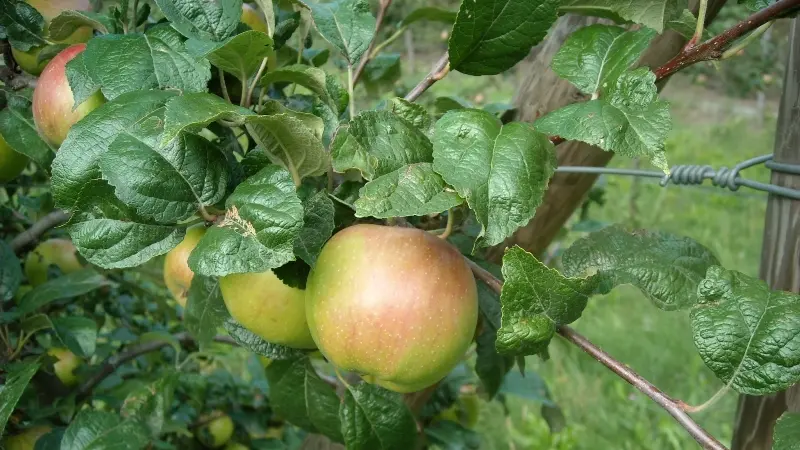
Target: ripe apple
(65, 366)
(53, 102)
(11, 163)
(397, 305)
(59, 252)
(263, 304)
(217, 432)
(252, 17)
(50, 9)
(177, 274)
(25, 440)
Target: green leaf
(452, 436)
(445, 104)
(17, 377)
(756, 5)
(22, 25)
(430, 13)
(240, 55)
(377, 143)
(66, 286)
(119, 64)
(382, 72)
(310, 78)
(10, 272)
(318, 225)
(36, 323)
(413, 190)
(375, 418)
(651, 13)
(746, 333)
(685, 25)
(110, 234)
(535, 300)
(151, 404)
(168, 183)
(529, 386)
(205, 310)
(256, 344)
(289, 142)
(19, 131)
(413, 113)
(99, 430)
(667, 268)
(594, 57)
(66, 23)
(76, 163)
(263, 219)
(204, 20)
(501, 170)
(490, 366)
(162, 337)
(78, 334)
(347, 24)
(490, 37)
(787, 432)
(630, 120)
(192, 112)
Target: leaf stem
(749, 39)
(350, 91)
(255, 81)
(449, 227)
(223, 86)
(369, 54)
(388, 41)
(701, 23)
(23, 339)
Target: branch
(440, 69)
(368, 54)
(52, 220)
(674, 407)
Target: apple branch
(384, 5)
(439, 71)
(675, 408)
(52, 220)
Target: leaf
(755, 5)
(347, 24)
(263, 219)
(746, 333)
(377, 143)
(205, 310)
(76, 163)
(651, 13)
(490, 37)
(594, 57)
(118, 64)
(67, 22)
(685, 25)
(430, 13)
(665, 267)
(787, 432)
(19, 131)
(22, 25)
(529, 386)
(412, 113)
(413, 190)
(535, 300)
(452, 436)
(205, 20)
(501, 170)
(630, 120)
(318, 225)
(289, 142)
(168, 183)
(192, 112)
(382, 72)
(110, 234)
(51, 440)
(311, 78)
(151, 404)
(490, 366)
(375, 418)
(240, 55)
(97, 430)
(78, 334)
(17, 376)
(36, 323)
(256, 344)
(10, 273)
(66, 286)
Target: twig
(368, 54)
(351, 91)
(255, 82)
(439, 71)
(701, 24)
(749, 39)
(52, 220)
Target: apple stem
(449, 227)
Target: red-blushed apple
(263, 304)
(12, 163)
(177, 274)
(253, 18)
(397, 305)
(53, 103)
(25, 440)
(65, 366)
(59, 252)
(50, 9)
(217, 432)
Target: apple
(59, 252)
(252, 17)
(50, 9)
(465, 411)
(25, 440)
(397, 305)
(236, 446)
(65, 366)
(263, 304)
(217, 432)
(177, 274)
(12, 163)
(53, 103)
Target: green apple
(236, 446)
(53, 103)
(465, 411)
(65, 366)
(50, 9)
(263, 304)
(21, 291)
(25, 440)
(12, 163)
(59, 252)
(252, 17)
(177, 274)
(217, 432)
(397, 305)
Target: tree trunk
(540, 91)
(780, 257)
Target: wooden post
(780, 257)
